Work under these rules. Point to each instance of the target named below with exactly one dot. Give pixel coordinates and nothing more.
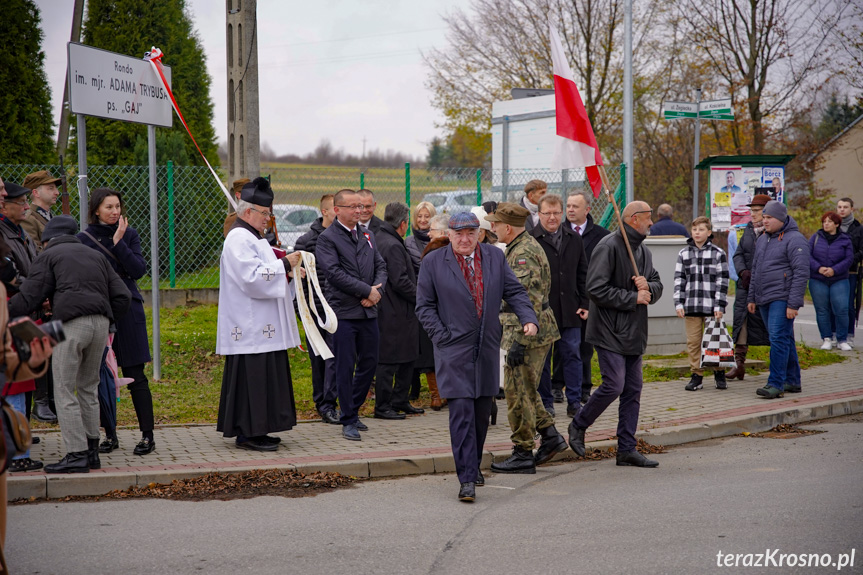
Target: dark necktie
(354, 235)
(578, 230)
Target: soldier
(526, 355)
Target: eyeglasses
(641, 212)
(21, 203)
(265, 213)
(355, 208)
(551, 214)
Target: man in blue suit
(459, 293)
(665, 226)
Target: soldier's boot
(739, 371)
(433, 392)
(521, 461)
(552, 443)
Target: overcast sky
(337, 69)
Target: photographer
(86, 295)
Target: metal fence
(192, 208)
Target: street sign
(675, 110)
(716, 110)
(117, 87)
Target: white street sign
(716, 110)
(117, 87)
(674, 110)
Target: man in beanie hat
(43, 196)
(526, 355)
(86, 294)
(256, 326)
(780, 271)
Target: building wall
(839, 169)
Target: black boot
(719, 379)
(552, 443)
(521, 461)
(695, 382)
(74, 462)
(42, 411)
(93, 453)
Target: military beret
(509, 213)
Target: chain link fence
(192, 208)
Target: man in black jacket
(568, 299)
(618, 328)
(324, 392)
(579, 219)
(86, 294)
(845, 209)
(397, 320)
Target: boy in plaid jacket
(700, 292)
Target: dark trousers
(44, 390)
(355, 346)
(324, 392)
(621, 377)
(586, 361)
(565, 358)
(142, 399)
(392, 385)
(854, 285)
(468, 426)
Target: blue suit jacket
(351, 270)
(668, 227)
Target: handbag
(717, 348)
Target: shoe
(329, 416)
(557, 395)
(792, 388)
(409, 409)
(270, 439)
(739, 370)
(552, 444)
(500, 394)
(635, 459)
(361, 426)
(844, 346)
(576, 439)
(585, 395)
(695, 382)
(42, 412)
(550, 410)
(828, 344)
(388, 414)
(770, 392)
(719, 379)
(253, 444)
(145, 446)
(24, 465)
(494, 412)
(436, 403)
(74, 462)
(109, 445)
(572, 409)
(467, 492)
(350, 432)
(521, 461)
(93, 453)
(480, 480)
(36, 440)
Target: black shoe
(409, 409)
(500, 394)
(467, 493)
(521, 461)
(719, 379)
(74, 462)
(255, 445)
(635, 459)
(480, 480)
(576, 439)
(145, 446)
(24, 465)
(552, 444)
(330, 416)
(695, 382)
(42, 412)
(350, 432)
(270, 439)
(585, 395)
(793, 388)
(493, 412)
(36, 440)
(549, 409)
(388, 414)
(557, 395)
(93, 453)
(572, 409)
(361, 426)
(109, 445)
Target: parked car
(292, 221)
(452, 202)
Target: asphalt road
(734, 496)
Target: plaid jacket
(701, 279)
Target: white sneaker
(828, 343)
(845, 346)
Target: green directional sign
(716, 110)
(677, 110)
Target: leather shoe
(329, 416)
(24, 465)
(42, 412)
(93, 453)
(521, 461)
(270, 439)
(576, 439)
(585, 395)
(73, 462)
(350, 432)
(361, 426)
(572, 409)
(635, 459)
(480, 480)
(388, 414)
(557, 395)
(109, 445)
(467, 493)
(145, 446)
(409, 409)
(552, 443)
(255, 445)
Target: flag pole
(610, 195)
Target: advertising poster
(725, 194)
(774, 177)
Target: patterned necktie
(471, 273)
(578, 230)
(354, 235)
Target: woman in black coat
(110, 234)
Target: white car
(452, 202)
(292, 221)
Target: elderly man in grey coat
(460, 289)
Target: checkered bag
(717, 348)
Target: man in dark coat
(564, 250)
(459, 293)
(618, 328)
(579, 219)
(356, 274)
(397, 321)
(324, 392)
(845, 209)
(665, 226)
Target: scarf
(758, 228)
(829, 237)
(475, 287)
(421, 235)
(846, 222)
(533, 209)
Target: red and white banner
(576, 144)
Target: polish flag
(576, 144)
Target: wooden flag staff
(610, 195)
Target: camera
(24, 330)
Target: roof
(837, 136)
(745, 160)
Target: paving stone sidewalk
(421, 444)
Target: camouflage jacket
(528, 261)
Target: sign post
(117, 87)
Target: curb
(92, 484)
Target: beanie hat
(60, 226)
(776, 210)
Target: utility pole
(244, 134)
(63, 128)
(627, 102)
(364, 148)
(696, 154)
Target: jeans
(784, 367)
(831, 307)
(567, 350)
(18, 403)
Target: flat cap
(463, 221)
(40, 178)
(509, 213)
(13, 190)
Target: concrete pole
(75, 36)
(154, 253)
(83, 189)
(696, 155)
(627, 102)
(244, 135)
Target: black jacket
(616, 322)
(397, 320)
(23, 252)
(591, 235)
(308, 242)
(855, 230)
(77, 280)
(742, 261)
(568, 274)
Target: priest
(256, 326)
